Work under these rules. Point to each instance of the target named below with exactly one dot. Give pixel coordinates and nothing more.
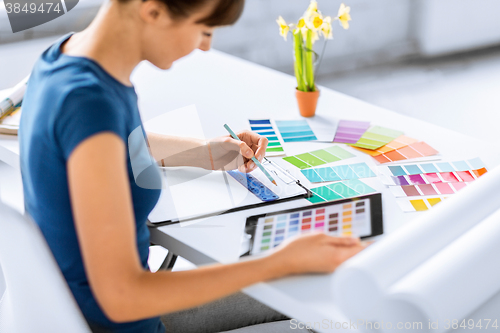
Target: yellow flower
(312, 9)
(284, 28)
(344, 16)
(315, 24)
(317, 21)
(301, 23)
(326, 28)
(302, 27)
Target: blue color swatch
(295, 130)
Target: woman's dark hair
(225, 12)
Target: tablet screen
(353, 217)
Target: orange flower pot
(307, 101)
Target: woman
(79, 111)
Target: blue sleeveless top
(68, 100)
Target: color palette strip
(418, 205)
(339, 172)
(414, 150)
(435, 167)
(376, 137)
(427, 189)
(295, 130)
(438, 172)
(350, 131)
(435, 178)
(341, 190)
(265, 128)
(318, 157)
(397, 143)
(348, 219)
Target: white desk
(229, 90)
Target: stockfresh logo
(26, 14)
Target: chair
(33, 294)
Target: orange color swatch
(414, 150)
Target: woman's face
(166, 40)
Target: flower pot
(307, 101)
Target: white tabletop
(229, 90)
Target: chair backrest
(35, 296)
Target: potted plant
(305, 33)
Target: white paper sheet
(191, 192)
(360, 282)
(324, 127)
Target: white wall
(379, 32)
(382, 31)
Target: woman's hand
(222, 153)
(315, 253)
(227, 153)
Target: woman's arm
(220, 153)
(104, 219)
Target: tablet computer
(358, 217)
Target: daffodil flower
(284, 28)
(326, 28)
(344, 16)
(311, 10)
(314, 24)
(317, 22)
(302, 27)
(307, 31)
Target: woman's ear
(154, 12)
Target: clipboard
(218, 190)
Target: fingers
(247, 167)
(245, 150)
(335, 240)
(261, 150)
(343, 241)
(256, 142)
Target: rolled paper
(14, 97)
(360, 283)
(467, 268)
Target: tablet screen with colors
(359, 217)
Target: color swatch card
(414, 150)
(265, 128)
(346, 219)
(318, 157)
(418, 205)
(341, 190)
(295, 130)
(434, 167)
(397, 143)
(338, 172)
(376, 137)
(433, 173)
(427, 189)
(350, 131)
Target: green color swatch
(295, 161)
(341, 190)
(310, 159)
(318, 157)
(326, 156)
(340, 152)
(377, 137)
